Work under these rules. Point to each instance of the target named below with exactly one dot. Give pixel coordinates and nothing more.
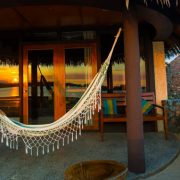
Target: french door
(54, 78)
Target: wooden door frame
(59, 73)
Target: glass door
(54, 78)
(40, 86)
(80, 68)
(43, 84)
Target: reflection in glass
(118, 72)
(41, 82)
(9, 80)
(78, 71)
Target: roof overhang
(160, 22)
(25, 15)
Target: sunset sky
(74, 74)
(9, 74)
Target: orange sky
(9, 74)
(74, 74)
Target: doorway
(40, 86)
(54, 78)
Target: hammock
(46, 137)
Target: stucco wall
(160, 75)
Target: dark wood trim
(24, 19)
(111, 5)
(20, 80)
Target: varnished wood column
(135, 135)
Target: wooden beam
(24, 19)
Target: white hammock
(40, 138)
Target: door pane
(78, 69)
(41, 86)
(118, 72)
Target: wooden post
(59, 82)
(135, 135)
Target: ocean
(14, 91)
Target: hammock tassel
(37, 151)
(43, 150)
(48, 149)
(82, 125)
(26, 149)
(80, 131)
(7, 141)
(31, 151)
(13, 144)
(85, 120)
(76, 134)
(93, 108)
(53, 148)
(79, 122)
(72, 139)
(17, 142)
(95, 105)
(63, 141)
(57, 144)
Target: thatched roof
(20, 15)
(162, 3)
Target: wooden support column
(135, 135)
(160, 75)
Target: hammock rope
(44, 82)
(48, 137)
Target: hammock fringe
(39, 138)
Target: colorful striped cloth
(110, 106)
(146, 106)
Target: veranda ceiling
(27, 17)
(32, 14)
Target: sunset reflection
(9, 76)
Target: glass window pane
(41, 86)
(9, 80)
(78, 73)
(118, 72)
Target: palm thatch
(159, 2)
